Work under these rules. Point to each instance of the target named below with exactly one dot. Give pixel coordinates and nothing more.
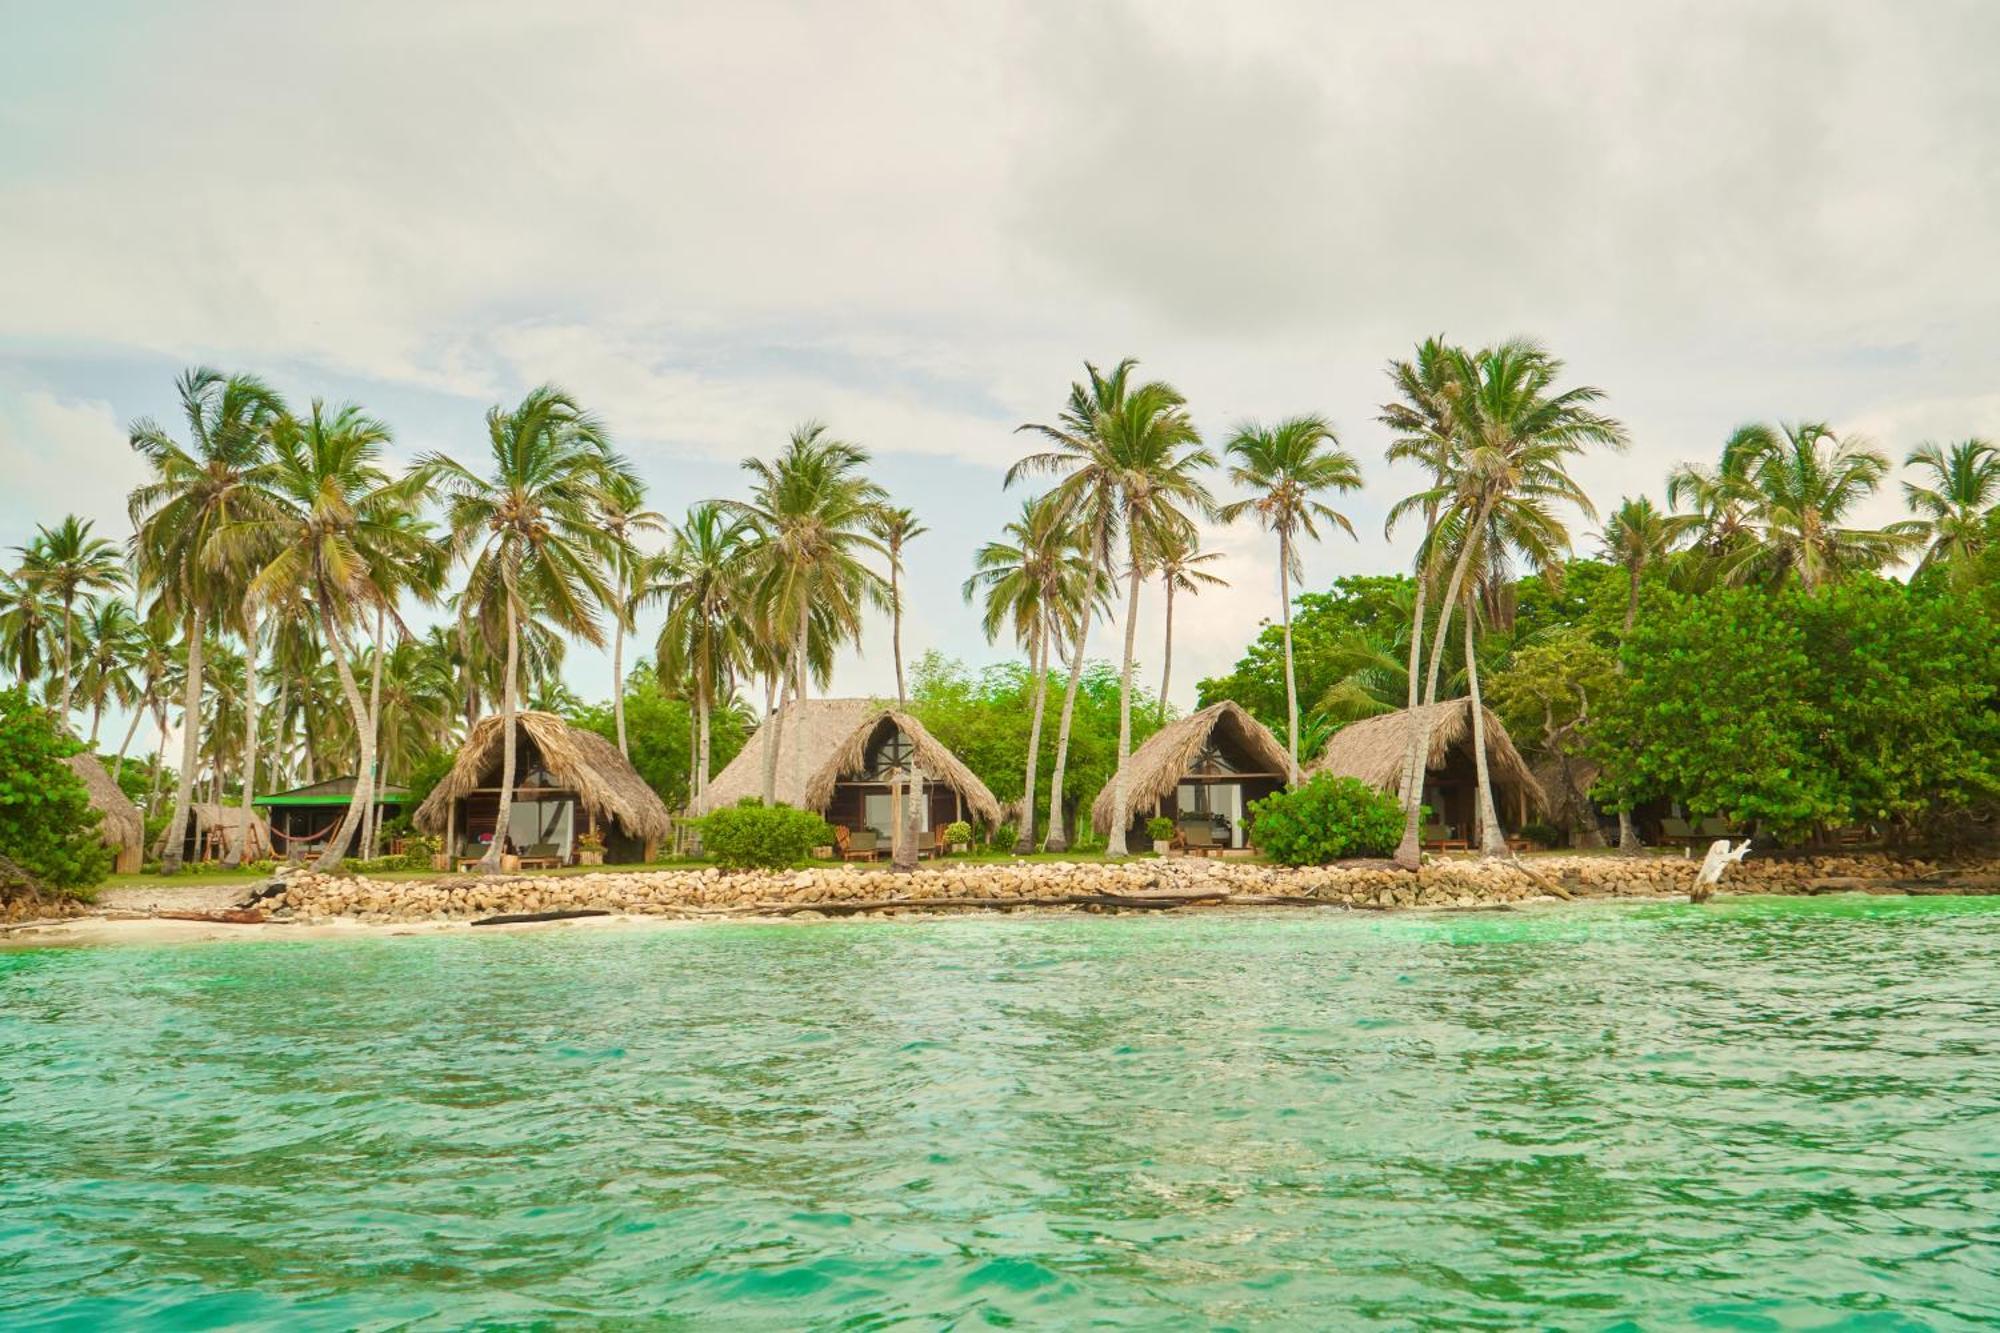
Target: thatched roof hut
(581, 765)
(826, 745)
(212, 833)
(1224, 731)
(123, 827)
(1372, 750)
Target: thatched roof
(1156, 768)
(205, 815)
(123, 826)
(823, 740)
(1568, 802)
(1372, 749)
(605, 782)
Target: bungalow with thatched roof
(567, 782)
(1372, 750)
(304, 818)
(214, 830)
(1202, 772)
(840, 757)
(123, 828)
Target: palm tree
(1179, 563)
(1638, 537)
(68, 563)
(198, 491)
(1512, 434)
(811, 511)
(1798, 483)
(112, 644)
(1133, 464)
(1956, 511)
(1290, 466)
(892, 528)
(1026, 578)
(336, 539)
(532, 530)
(624, 514)
(153, 660)
(25, 630)
(705, 639)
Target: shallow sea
(1761, 1114)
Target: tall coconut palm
(1955, 512)
(1026, 578)
(198, 492)
(1513, 433)
(68, 563)
(153, 662)
(1801, 482)
(894, 528)
(1181, 566)
(335, 538)
(531, 527)
(111, 644)
(705, 639)
(1290, 466)
(625, 517)
(1132, 463)
(26, 628)
(811, 509)
(1638, 537)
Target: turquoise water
(1764, 1114)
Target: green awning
(381, 798)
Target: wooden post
(450, 834)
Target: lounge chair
(1678, 830)
(856, 846)
(1198, 837)
(1439, 838)
(1716, 827)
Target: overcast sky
(916, 221)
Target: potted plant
(590, 848)
(1161, 830)
(958, 834)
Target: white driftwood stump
(1720, 857)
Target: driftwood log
(1976, 887)
(516, 918)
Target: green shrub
(1001, 839)
(1160, 829)
(47, 824)
(1327, 819)
(372, 865)
(958, 833)
(149, 867)
(1545, 835)
(418, 851)
(751, 834)
(260, 867)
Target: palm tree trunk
(774, 739)
(96, 719)
(1038, 653)
(1120, 796)
(68, 651)
(1417, 744)
(139, 712)
(489, 864)
(278, 726)
(1167, 654)
(244, 812)
(1057, 840)
(618, 684)
(364, 771)
(1628, 832)
(371, 834)
(172, 853)
(896, 626)
(1291, 679)
(159, 757)
(1491, 841)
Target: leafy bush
(1001, 839)
(260, 867)
(1546, 835)
(373, 865)
(1160, 829)
(769, 837)
(47, 824)
(958, 833)
(1327, 819)
(418, 851)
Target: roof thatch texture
(123, 827)
(1372, 749)
(1568, 797)
(206, 815)
(1156, 768)
(824, 740)
(605, 782)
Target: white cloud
(63, 456)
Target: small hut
(304, 819)
(1202, 772)
(567, 782)
(123, 828)
(213, 832)
(841, 757)
(1372, 750)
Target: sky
(916, 222)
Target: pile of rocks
(964, 886)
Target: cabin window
(1211, 762)
(878, 811)
(893, 755)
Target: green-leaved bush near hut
(47, 824)
(1327, 819)
(751, 834)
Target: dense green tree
(47, 824)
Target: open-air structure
(304, 819)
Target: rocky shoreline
(1145, 884)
